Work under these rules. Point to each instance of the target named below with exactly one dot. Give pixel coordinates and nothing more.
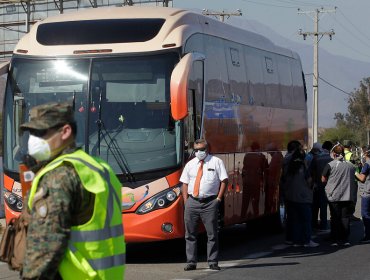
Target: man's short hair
(367, 150)
(201, 141)
(327, 145)
(293, 145)
(338, 150)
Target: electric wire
(352, 48)
(330, 84)
(364, 34)
(271, 5)
(300, 3)
(352, 33)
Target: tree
(355, 124)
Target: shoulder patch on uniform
(42, 209)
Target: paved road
(260, 255)
(248, 254)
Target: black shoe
(355, 219)
(365, 240)
(214, 266)
(190, 266)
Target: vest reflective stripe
(106, 176)
(97, 248)
(96, 235)
(108, 262)
(104, 262)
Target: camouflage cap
(49, 115)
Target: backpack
(13, 242)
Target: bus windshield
(122, 108)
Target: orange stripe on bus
(8, 183)
(173, 178)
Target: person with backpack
(75, 230)
(297, 191)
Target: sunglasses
(39, 132)
(42, 132)
(200, 149)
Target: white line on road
(257, 255)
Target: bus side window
(189, 125)
(197, 90)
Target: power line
(352, 48)
(290, 2)
(300, 3)
(330, 84)
(271, 5)
(364, 34)
(353, 34)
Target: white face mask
(201, 154)
(38, 148)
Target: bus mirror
(179, 85)
(4, 67)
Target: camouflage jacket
(59, 203)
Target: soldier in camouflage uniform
(61, 201)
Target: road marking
(257, 255)
(229, 264)
(280, 246)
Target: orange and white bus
(146, 82)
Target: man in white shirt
(204, 181)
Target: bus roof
(64, 35)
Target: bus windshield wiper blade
(115, 150)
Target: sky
(350, 21)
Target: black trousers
(340, 212)
(207, 212)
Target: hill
(342, 72)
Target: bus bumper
(152, 226)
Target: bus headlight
(13, 201)
(160, 200)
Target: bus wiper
(115, 150)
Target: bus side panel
(245, 106)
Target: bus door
(193, 123)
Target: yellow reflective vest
(96, 249)
(347, 155)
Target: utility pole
(221, 15)
(317, 37)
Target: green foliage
(355, 124)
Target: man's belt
(204, 199)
